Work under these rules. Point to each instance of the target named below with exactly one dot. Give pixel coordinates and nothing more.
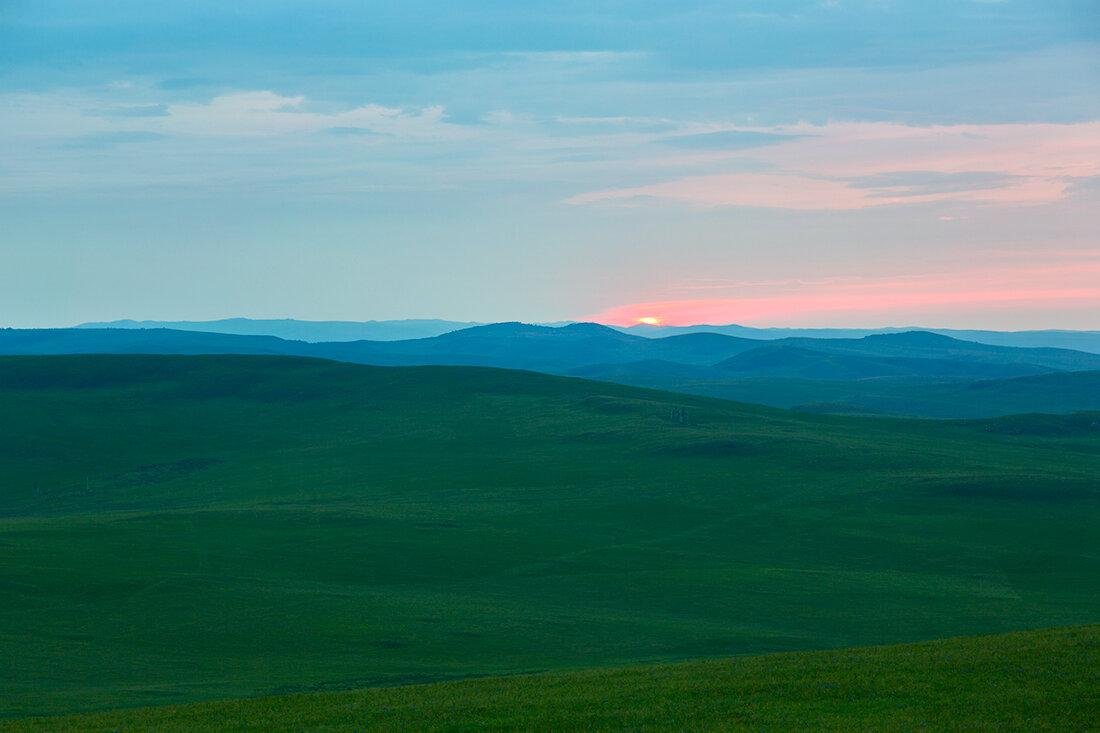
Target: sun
(650, 320)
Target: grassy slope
(183, 528)
(1038, 680)
(1064, 392)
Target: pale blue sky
(765, 162)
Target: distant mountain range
(288, 328)
(905, 373)
(1079, 340)
(397, 330)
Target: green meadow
(181, 529)
(1037, 680)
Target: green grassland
(177, 529)
(1059, 392)
(1026, 681)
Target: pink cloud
(742, 189)
(814, 194)
(842, 167)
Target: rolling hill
(784, 360)
(540, 348)
(1077, 340)
(504, 345)
(912, 373)
(182, 528)
(295, 330)
(1035, 680)
(1056, 393)
(47, 341)
(925, 345)
(555, 349)
(396, 330)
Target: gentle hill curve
(784, 360)
(914, 374)
(296, 330)
(505, 345)
(1035, 680)
(926, 345)
(184, 528)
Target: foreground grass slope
(175, 529)
(1038, 680)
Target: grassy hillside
(1039, 680)
(782, 360)
(183, 528)
(1057, 393)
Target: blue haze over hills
(289, 328)
(911, 373)
(396, 330)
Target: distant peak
(912, 337)
(512, 329)
(502, 326)
(587, 327)
(505, 328)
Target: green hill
(175, 529)
(926, 345)
(1037, 680)
(783, 360)
(579, 346)
(1059, 392)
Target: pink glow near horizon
(898, 300)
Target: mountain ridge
(905, 373)
(401, 329)
(299, 330)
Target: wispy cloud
(133, 110)
(844, 166)
(727, 139)
(269, 113)
(101, 140)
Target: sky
(767, 162)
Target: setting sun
(650, 321)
